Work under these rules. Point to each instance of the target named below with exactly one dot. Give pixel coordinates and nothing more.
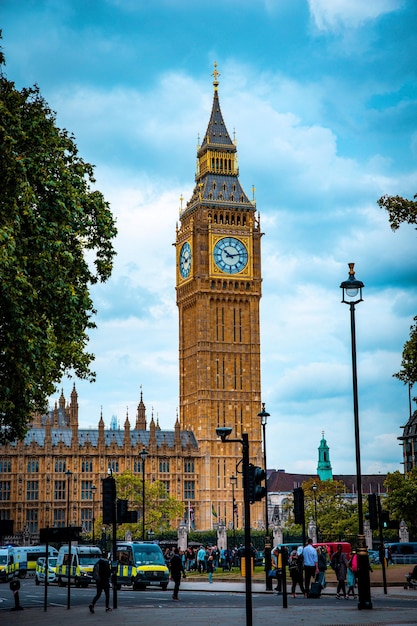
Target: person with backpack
(339, 564)
(295, 567)
(101, 575)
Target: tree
(337, 518)
(399, 210)
(403, 210)
(401, 501)
(55, 242)
(160, 508)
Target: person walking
(310, 563)
(210, 568)
(322, 565)
(101, 574)
(177, 570)
(295, 567)
(339, 564)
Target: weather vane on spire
(216, 75)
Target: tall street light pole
(233, 482)
(93, 491)
(268, 580)
(224, 433)
(352, 295)
(143, 455)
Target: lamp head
(263, 415)
(223, 432)
(352, 288)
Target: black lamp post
(314, 488)
(233, 482)
(93, 491)
(268, 580)
(143, 455)
(352, 295)
(224, 433)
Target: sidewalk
(399, 606)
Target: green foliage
(408, 372)
(160, 509)
(336, 517)
(55, 242)
(399, 210)
(401, 501)
(402, 210)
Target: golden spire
(216, 75)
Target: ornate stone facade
(218, 254)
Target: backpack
(293, 564)
(96, 571)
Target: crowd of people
(205, 559)
(308, 565)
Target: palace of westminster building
(218, 287)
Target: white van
(8, 565)
(83, 559)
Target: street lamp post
(233, 482)
(268, 580)
(224, 433)
(314, 488)
(93, 491)
(143, 455)
(352, 295)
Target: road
(203, 604)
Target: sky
(322, 96)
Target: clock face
(230, 255)
(185, 260)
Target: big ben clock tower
(218, 250)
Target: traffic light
(132, 517)
(384, 518)
(298, 505)
(373, 511)
(256, 490)
(109, 498)
(122, 512)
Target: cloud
(337, 14)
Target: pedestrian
(201, 560)
(177, 570)
(276, 564)
(339, 564)
(322, 565)
(210, 567)
(295, 566)
(351, 581)
(310, 563)
(101, 574)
